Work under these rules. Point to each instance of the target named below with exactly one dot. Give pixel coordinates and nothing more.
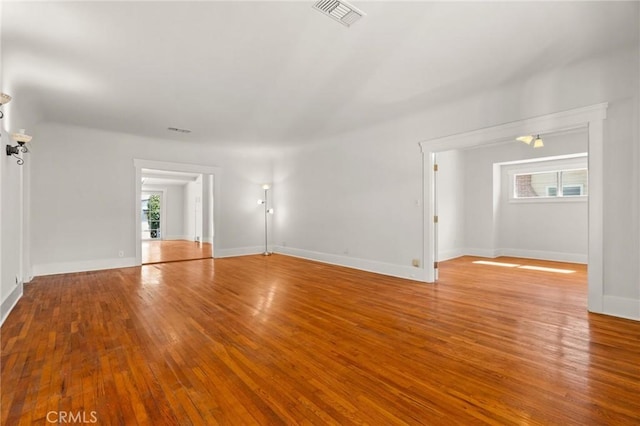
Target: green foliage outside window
(153, 215)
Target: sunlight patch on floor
(487, 262)
(542, 268)
(528, 267)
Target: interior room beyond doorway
(171, 217)
(484, 210)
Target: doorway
(590, 118)
(509, 200)
(174, 211)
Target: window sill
(576, 199)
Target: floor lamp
(267, 212)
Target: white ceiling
(281, 73)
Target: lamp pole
(266, 216)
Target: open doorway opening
(502, 203)
(172, 215)
(590, 118)
(173, 208)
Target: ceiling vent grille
(175, 129)
(341, 11)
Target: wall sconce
(267, 212)
(4, 99)
(21, 138)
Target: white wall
(450, 204)
(14, 190)
(351, 203)
(551, 229)
(492, 228)
(173, 206)
(358, 190)
(83, 197)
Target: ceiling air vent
(341, 11)
(175, 129)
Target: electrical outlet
(17, 280)
(416, 262)
(121, 253)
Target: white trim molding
(239, 251)
(622, 307)
(554, 256)
(10, 302)
(180, 238)
(590, 117)
(399, 271)
(83, 266)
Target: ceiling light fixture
(341, 11)
(21, 138)
(537, 140)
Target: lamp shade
(4, 98)
(525, 139)
(21, 136)
(266, 186)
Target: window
(560, 183)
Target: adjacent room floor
(157, 251)
(281, 340)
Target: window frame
(546, 165)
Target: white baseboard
(179, 237)
(449, 254)
(240, 251)
(10, 302)
(207, 240)
(621, 307)
(525, 254)
(407, 272)
(543, 255)
(83, 266)
(479, 252)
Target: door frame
(592, 118)
(213, 193)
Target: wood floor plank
(279, 340)
(161, 251)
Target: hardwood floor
(280, 340)
(154, 251)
